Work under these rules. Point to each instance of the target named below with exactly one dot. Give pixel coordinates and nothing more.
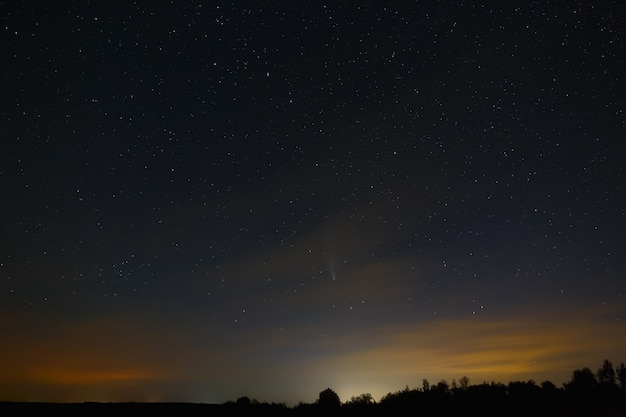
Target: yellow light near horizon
(379, 361)
(496, 350)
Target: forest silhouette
(602, 393)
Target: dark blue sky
(202, 201)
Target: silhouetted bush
(329, 402)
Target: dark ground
(207, 410)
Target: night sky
(206, 200)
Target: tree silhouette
(363, 399)
(442, 386)
(244, 401)
(582, 380)
(548, 386)
(606, 374)
(464, 383)
(582, 388)
(621, 376)
(362, 406)
(608, 391)
(522, 394)
(329, 400)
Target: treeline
(602, 393)
(587, 393)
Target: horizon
(389, 366)
(452, 384)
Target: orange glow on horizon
(127, 363)
(498, 350)
(78, 376)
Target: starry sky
(207, 200)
